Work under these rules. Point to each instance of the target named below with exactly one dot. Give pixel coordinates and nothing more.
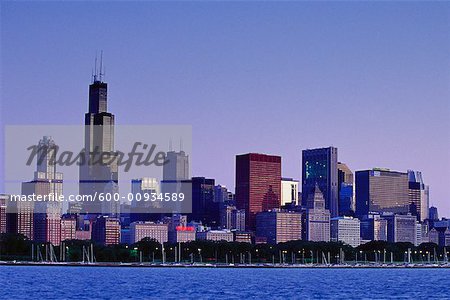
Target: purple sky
(369, 78)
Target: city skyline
(227, 113)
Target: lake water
(40, 282)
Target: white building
(316, 219)
(289, 191)
(216, 235)
(346, 230)
(140, 230)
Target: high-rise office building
(381, 191)
(289, 191)
(418, 195)
(319, 166)
(142, 189)
(177, 166)
(176, 174)
(346, 230)
(99, 163)
(40, 220)
(316, 220)
(258, 185)
(204, 207)
(433, 213)
(221, 194)
(106, 230)
(345, 190)
(232, 218)
(278, 226)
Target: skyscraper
(418, 195)
(317, 218)
(345, 190)
(142, 188)
(433, 213)
(176, 178)
(106, 230)
(320, 166)
(204, 206)
(258, 184)
(41, 220)
(98, 166)
(381, 191)
(177, 166)
(289, 191)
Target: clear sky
(369, 78)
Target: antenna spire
(101, 65)
(95, 68)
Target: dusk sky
(369, 78)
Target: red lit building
(182, 234)
(258, 184)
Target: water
(18, 282)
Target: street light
(200, 254)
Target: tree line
(18, 247)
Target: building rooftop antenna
(101, 66)
(170, 145)
(95, 67)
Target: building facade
(106, 230)
(205, 209)
(279, 226)
(345, 190)
(346, 230)
(316, 220)
(381, 191)
(320, 166)
(156, 231)
(68, 227)
(289, 191)
(373, 228)
(258, 185)
(182, 234)
(401, 228)
(98, 147)
(3, 203)
(141, 188)
(215, 235)
(418, 194)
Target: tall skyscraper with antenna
(99, 168)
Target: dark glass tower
(345, 190)
(381, 191)
(319, 166)
(99, 168)
(204, 208)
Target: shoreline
(250, 266)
